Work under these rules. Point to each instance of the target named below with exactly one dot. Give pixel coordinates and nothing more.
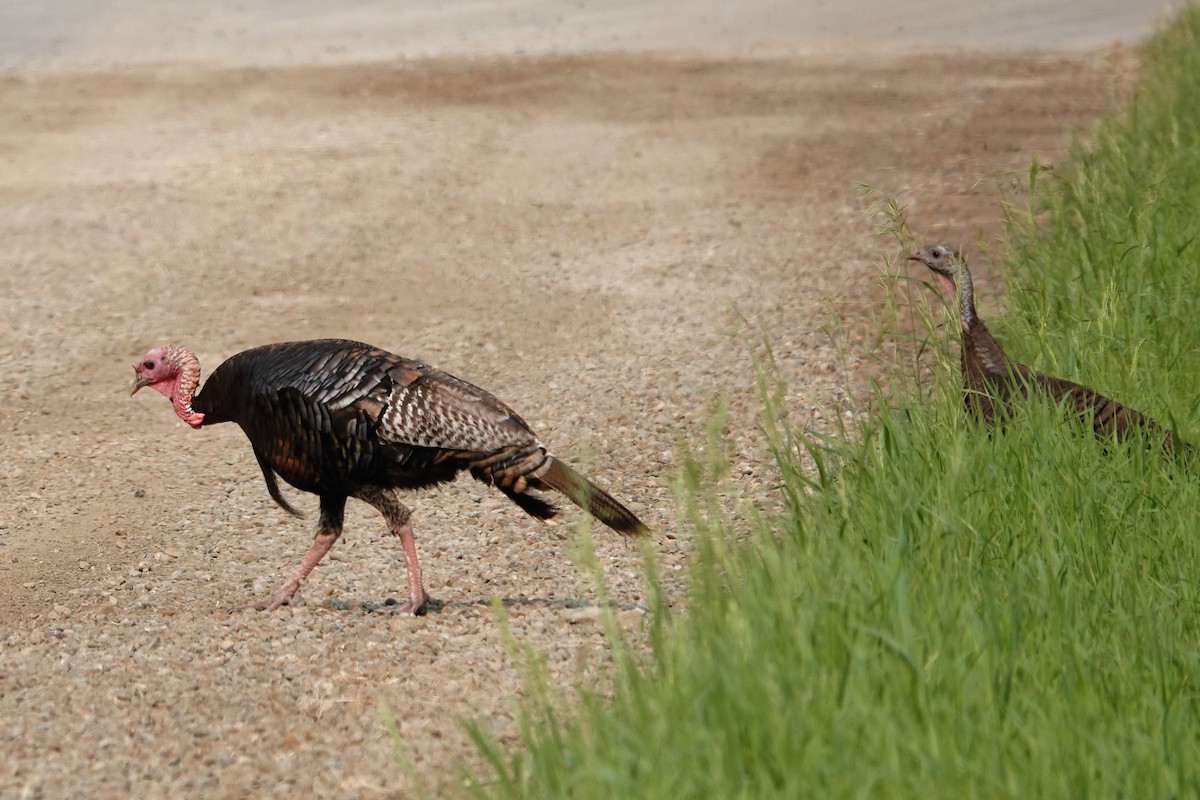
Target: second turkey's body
(991, 380)
(329, 416)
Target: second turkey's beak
(138, 382)
(917, 257)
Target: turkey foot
(280, 597)
(411, 608)
(327, 534)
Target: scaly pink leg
(396, 514)
(416, 589)
(329, 528)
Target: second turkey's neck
(966, 299)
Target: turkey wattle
(344, 419)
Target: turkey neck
(982, 356)
(185, 384)
(966, 297)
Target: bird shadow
(433, 605)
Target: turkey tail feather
(579, 490)
(532, 505)
(273, 484)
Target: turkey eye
(937, 252)
(148, 364)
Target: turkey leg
(397, 514)
(329, 528)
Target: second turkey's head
(945, 263)
(172, 371)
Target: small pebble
(586, 614)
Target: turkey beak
(918, 257)
(138, 382)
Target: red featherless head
(173, 371)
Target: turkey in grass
(991, 379)
(343, 419)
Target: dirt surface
(572, 233)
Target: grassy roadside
(940, 613)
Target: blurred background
(67, 34)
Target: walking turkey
(991, 379)
(344, 419)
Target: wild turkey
(991, 378)
(344, 419)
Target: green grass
(939, 613)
